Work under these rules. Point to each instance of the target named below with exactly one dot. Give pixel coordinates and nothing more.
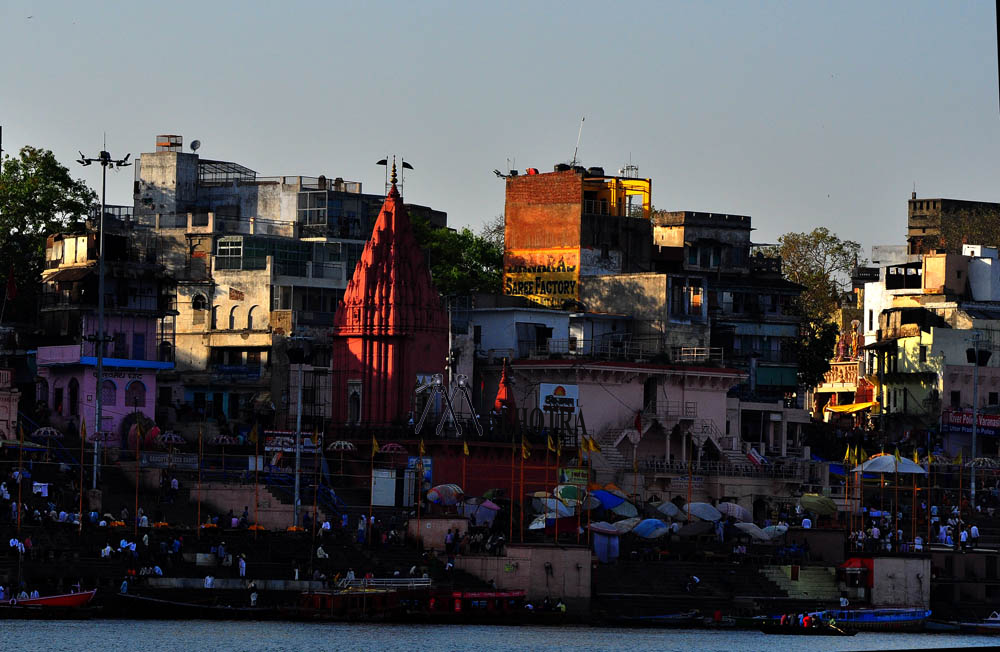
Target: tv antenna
(578, 134)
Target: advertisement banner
(961, 421)
(547, 276)
(563, 399)
(428, 467)
(578, 475)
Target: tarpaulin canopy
(822, 505)
(626, 525)
(887, 463)
(852, 407)
(650, 528)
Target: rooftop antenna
(578, 134)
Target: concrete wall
(434, 528)
(901, 582)
(499, 325)
(524, 569)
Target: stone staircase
(814, 582)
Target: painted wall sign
(546, 276)
(235, 295)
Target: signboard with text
(961, 421)
(563, 399)
(547, 276)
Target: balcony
(697, 355)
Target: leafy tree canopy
(822, 263)
(463, 262)
(37, 197)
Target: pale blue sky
(799, 114)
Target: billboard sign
(561, 399)
(549, 277)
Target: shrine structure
(390, 330)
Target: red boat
(65, 600)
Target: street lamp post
(104, 158)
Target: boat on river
(822, 629)
(65, 606)
(879, 620)
(989, 625)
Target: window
(353, 402)
(871, 320)
(956, 399)
(253, 358)
(199, 302)
(232, 318)
(109, 393)
(923, 353)
(229, 253)
(135, 395)
(993, 399)
(138, 346)
(215, 317)
(250, 318)
(42, 391)
(692, 255)
(74, 397)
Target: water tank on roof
(595, 172)
(580, 169)
(562, 167)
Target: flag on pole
(930, 458)
(916, 458)
(421, 451)
(958, 460)
(862, 456)
(896, 455)
(551, 444)
(593, 445)
(465, 448)
(83, 431)
(847, 454)
(525, 449)
(374, 446)
(253, 434)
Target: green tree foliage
(463, 262)
(37, 197)
(822, 263)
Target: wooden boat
(989, 625)
(879, 620)
(823, 629)
(65, 600)
(942, 626)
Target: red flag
(638, 421)
(11, 285)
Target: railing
(672, 409)
(386, 583)
(606, 349)
(786, 471)
(697, 354)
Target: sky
(800, 114)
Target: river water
(209, 636)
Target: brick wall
(543, 210)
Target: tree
(37, 197)
(822, 263)
(462, 262)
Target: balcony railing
(700, 354)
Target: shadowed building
(947, 224)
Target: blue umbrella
(650, 528)
(608, 499)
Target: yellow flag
(253, 434)
(525, 449)
(594, 445)
(958, 460)
(374, 446)
(862, 456)
(83, 430)
(420, 448)
(465, 448)
(559, 448)
(916, 458)
(930, 458)
(896, 455)
(551, 444)
(847, 454)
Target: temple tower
(391, 327)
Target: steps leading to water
(813, 583)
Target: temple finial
(392, 177)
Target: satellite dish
(195, 144)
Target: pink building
(138, 329)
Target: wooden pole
(895, 502)
(201, 449)
(256, 479)
(521, 520)
(138, 464)
(590, 471)
(513, 447)
(317, 451)
(690, 480)
(83, 438)
(20, 481)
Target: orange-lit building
(569, 223)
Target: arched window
(215, 317)
(232, 318)
(135, 395)
(166, 352)
(250, 318)
(199, 302)
(74, 397)
(109, 393)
